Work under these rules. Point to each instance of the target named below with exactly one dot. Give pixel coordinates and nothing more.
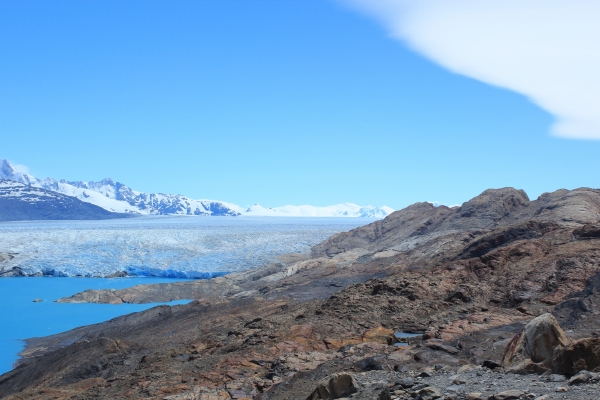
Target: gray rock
(418, 387)
(443, 347)
(556, 378)
(334, 387)
(507, 395)
(376, 363)
(454, 388)
(406, 383)
(429, 393)
(375, 391)
(580, 378)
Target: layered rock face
(467, 279)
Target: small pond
(404, 338)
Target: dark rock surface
(469, 279)
(588, 231)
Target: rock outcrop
(492, 209)
(334, 387)
(533, 349)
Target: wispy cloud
(21, 168)
(545, 49)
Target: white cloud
(437, 204)
(21, 168)
(547, 50)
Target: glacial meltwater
(23, 318)
(153, 249)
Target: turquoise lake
(22, 318)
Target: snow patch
(338, 210)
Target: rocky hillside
(20, 202)
(465, 280)
(493, 209)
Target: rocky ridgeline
(503, 292)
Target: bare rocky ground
(467, 279)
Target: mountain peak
(107, 181)
(6, 169)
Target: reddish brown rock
(579, 355)
(379, 335)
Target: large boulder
(374, 391)
(429, 393)
(580, 355)
(334, 387)
(532, 349)
(379, 335)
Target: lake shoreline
(28, 318)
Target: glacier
(160, 246)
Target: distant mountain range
(20, 202)
(338, 210)
(116, 197)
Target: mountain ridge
(117, 197)
(21, 202)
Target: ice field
(161, 246)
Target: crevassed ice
(192, 247)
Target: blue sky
(277, 102)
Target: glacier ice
(164, 246)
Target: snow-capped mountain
(338, 210)
(117, 197)
(19, 201)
